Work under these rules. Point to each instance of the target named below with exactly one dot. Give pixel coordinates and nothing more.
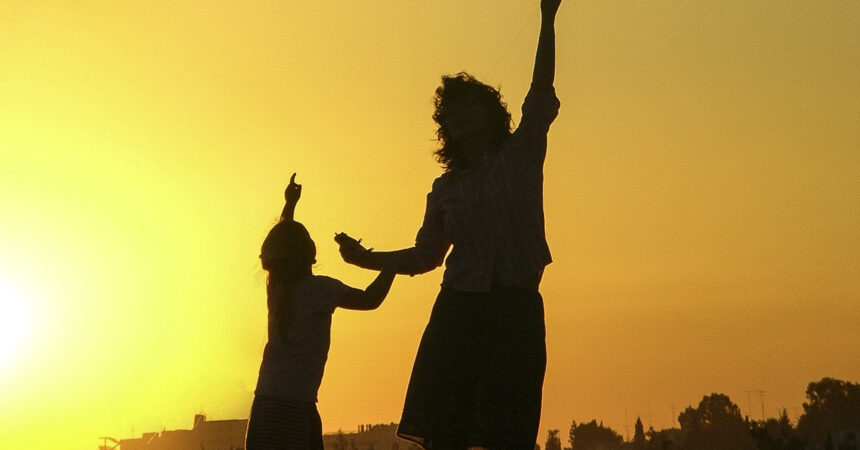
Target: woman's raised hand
(549, 7)
(544, 70)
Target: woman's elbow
(423, 263)
(421, 268)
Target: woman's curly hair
(454, 90)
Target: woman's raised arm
(544, 70)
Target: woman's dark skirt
(277, 424)
(478, 374)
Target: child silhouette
(284, 413)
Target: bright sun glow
(14, 321)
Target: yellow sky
(702, 200)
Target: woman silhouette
(478, 374)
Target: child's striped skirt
(277, 424)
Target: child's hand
(293, 192)
(351, 250)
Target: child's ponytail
(287, 254)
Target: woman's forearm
(374, 260)
(398, 260)
(544, 69)
(407, 261)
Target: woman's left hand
(351, 249)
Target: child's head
(288, 250)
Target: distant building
(230, 435)
(368, 437)
(205, 435)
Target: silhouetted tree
(834, 405)
(776, 434)
(593, 436)
(849, 442)
(552, 441)
(639, 440)
(663, 439)
(716, 424)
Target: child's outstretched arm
(292, 195)
(371, 297)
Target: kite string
(527, 23)
(374, 220)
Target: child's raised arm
(292, 195)
(371, 297)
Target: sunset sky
(702, 197)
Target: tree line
(830, 421)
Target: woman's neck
(475, 153)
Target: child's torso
(299, 323)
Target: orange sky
(702, 200)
